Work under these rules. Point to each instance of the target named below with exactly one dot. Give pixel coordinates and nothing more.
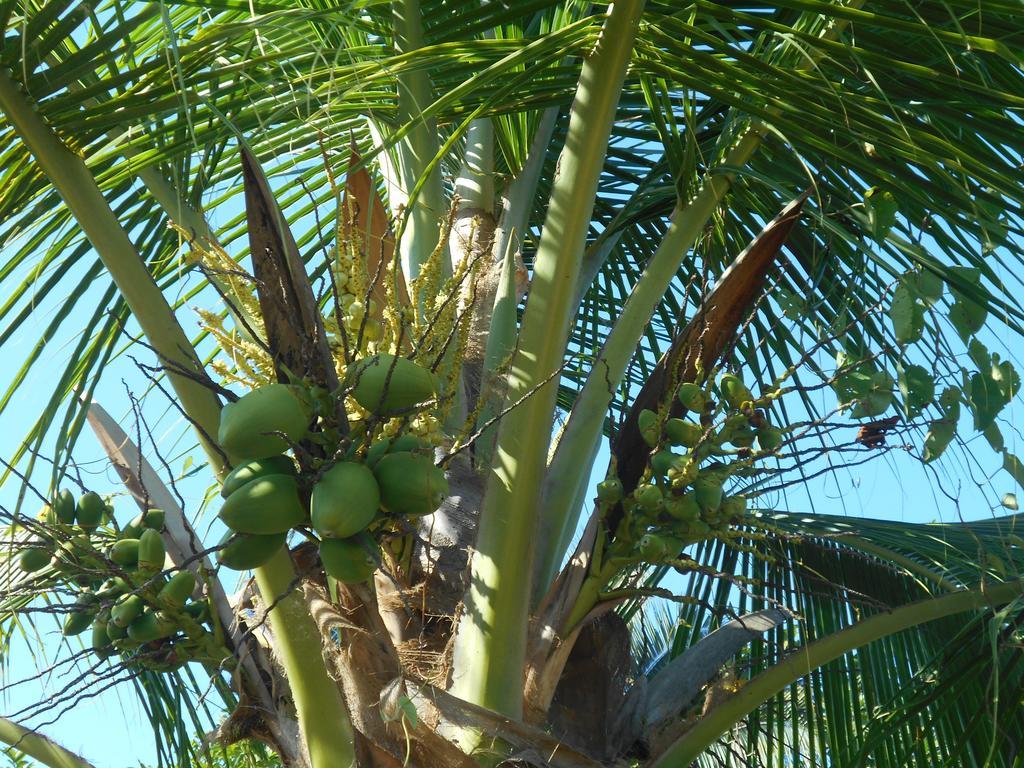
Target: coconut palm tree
(741, 246)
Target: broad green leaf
(927, 286)
(991, 390)
(906, 314)
(968, 317)
(918, 387)
(1014, 466)
(881, 208)
(878, 398)
(940, 435)
(994, 435)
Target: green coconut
(769, 438)
(682, 432)
(655, 546)
(149, 626)
(386, 384)
(243, 551)
(344, 501)
(126, 609)
(151, 551)
(650, 429)
(177, 590)
(268, 504)
(691, 396)
(348, 560)
(90, 511)
(399, 444)
(64, 507)
(77, 622)
(410, 484)
(649, 497)
(708, 492)
(683, 507)
(733, 508)
(610, 491)
(250, 427)
(100, 638)
(33, 559)
(250, 470)
(125, 552)
(734, 390)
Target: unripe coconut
(64, 507)
(399, 444)
(265, 505)
(610, 491)
(90, 511)
(249, 426)
(683, 507)
(176, 592)
(742, 436)
(733, 508)
(769, 438)
(649, 497)
(386, 384)
(154, 519)
(734, 390)
(348, 560)
(79, 620)
(125, 552)
(100, 638)
(33, 559)
(250, 470)
(344, 501)
(242, 551)
(125, 610)
(149, 626)
(410, 484)
(650, 430)
(151, 551)
(691, 396)
(659, 546)
(685, 433)
(708, 492)
(664, 460)
(683, 475)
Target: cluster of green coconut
(122, 590)
(681, 498)
(346, 499)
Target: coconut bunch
(681, 498)
(357, 489)
(122, 587)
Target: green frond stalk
(501, 343)
(38, 747)
(76, 185)
(475, 184)
(417, 149)
(749, 697)
(324, 721)
(491, 639)
(518, 200)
